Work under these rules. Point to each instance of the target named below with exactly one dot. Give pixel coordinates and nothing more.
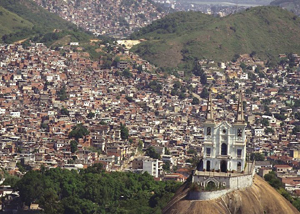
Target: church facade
(224, 146)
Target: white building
(152, 166)
(258, 132)
(224, 146)
(15, 114)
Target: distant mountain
(291, 5)
(20, 19)
(180, 38)
(115, 18)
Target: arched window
(224, 149)
(208, 165)
(208, 131)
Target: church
(224, 146)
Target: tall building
(224, 146)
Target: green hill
(180, 38)
(12, 22)
(20, 19)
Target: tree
(204, 94)
(30, 187)
(181, 96)
(126, 73)
(253, 53)
(297, 115)
(124, 132)
(296, 129)
(167, 152)
(269, 130)
(93, 191)
(62, 94)
(64, 111)
(203, 79)
(176, 85)
(235, 57)
(91, 115)
(166, 166)
(195, 101)
(78, 131)
(96, 168)
(155, 86)
(152, 153)
(248, 91)
(273, 180)
(243, 66)
(265, 122)
(257, 157)
(73, 145)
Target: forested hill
(94, 191)
(20, 19)
(181, 38)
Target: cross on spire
(209, 110)
(240, 111)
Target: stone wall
(207, 195)
(230, 183)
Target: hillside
(255, 199)
(20, 19)
(180, 38)
(12, 22)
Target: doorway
(223, 166)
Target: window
(208, 152)
(224, 149)
(208, 131)
(239, 132)
(239, 152)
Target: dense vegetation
(21, 19)
(279, 186)
(181, 38)
(94, 191)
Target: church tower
(224, 146)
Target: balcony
(207, 143)
(239, 143)
(224, 157)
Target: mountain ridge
(266, 30)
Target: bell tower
(239, 134)
(209, 128)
